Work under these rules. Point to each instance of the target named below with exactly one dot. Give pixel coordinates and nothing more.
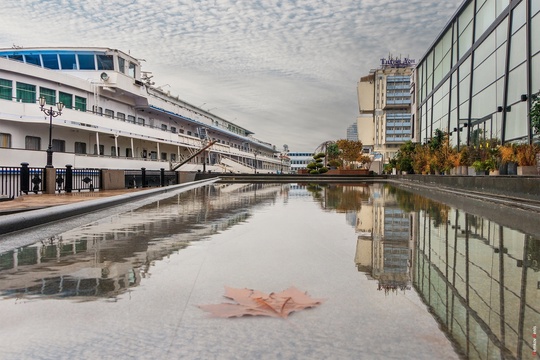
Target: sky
(286, 70)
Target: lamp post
(51, 113)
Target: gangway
(205, 143)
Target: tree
(535, 116)
(317, 166)
(351, 151)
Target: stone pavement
(40, 201)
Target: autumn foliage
(256, 303)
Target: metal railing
(15, 181)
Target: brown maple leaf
(256, 303)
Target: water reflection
(109, 257)
(480, 280)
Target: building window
(5, 140)
(49, 95)
(109, 113)
(32, 143)
(80, 103)
(58, 145)
(26, 93)
(101, 149)
(6, 89)
(80, 148)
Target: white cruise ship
(114, 117)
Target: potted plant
(508, 159)
(526, 159)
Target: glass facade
(482, 74)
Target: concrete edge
(25, 220)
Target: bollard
(69, 178)
(143, 177)
(25, 178)
(162, 177)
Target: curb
(25, 220)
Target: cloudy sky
(284, 69)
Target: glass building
(481, 75)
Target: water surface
(402, 277)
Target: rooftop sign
(397, 62)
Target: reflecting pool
(402, 277)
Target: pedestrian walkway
(40, 201)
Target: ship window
(131, 119)
(68, 62)
(105, 62)
(66, 99)
(121, 116)
(115, 150)
(173, 157)
(140, 121)
(33, 59)
(26, 93)
(80, 148)
(50, 61)
(164, 156)
(86, 62)
(129, 153)
(189, 133)
(153, 155)
(109, 113)
(32, 143)
(58, 145)
(101, 149)
(49, 95)
(5, 140)
(6, 89)
(173, 129)
(80, 103)
(164, 127)
(16, 57)
(122, 65)
(131, 71)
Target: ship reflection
(109, 257)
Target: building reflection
(479, 279)
(384, 244)
(109, 257)
(481, 282)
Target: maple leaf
(256, 303)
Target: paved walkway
(39, 201)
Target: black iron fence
(70, 179)
(149, 178)
(15, 181)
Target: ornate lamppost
(51, 113)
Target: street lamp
(51, 113)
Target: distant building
(352, 132)
(384, 103)
(299, 160)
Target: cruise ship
(113, 117)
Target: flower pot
(494, 173)
(511, 168)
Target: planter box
(527, 170)
(348, 172)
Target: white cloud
(286, 70)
